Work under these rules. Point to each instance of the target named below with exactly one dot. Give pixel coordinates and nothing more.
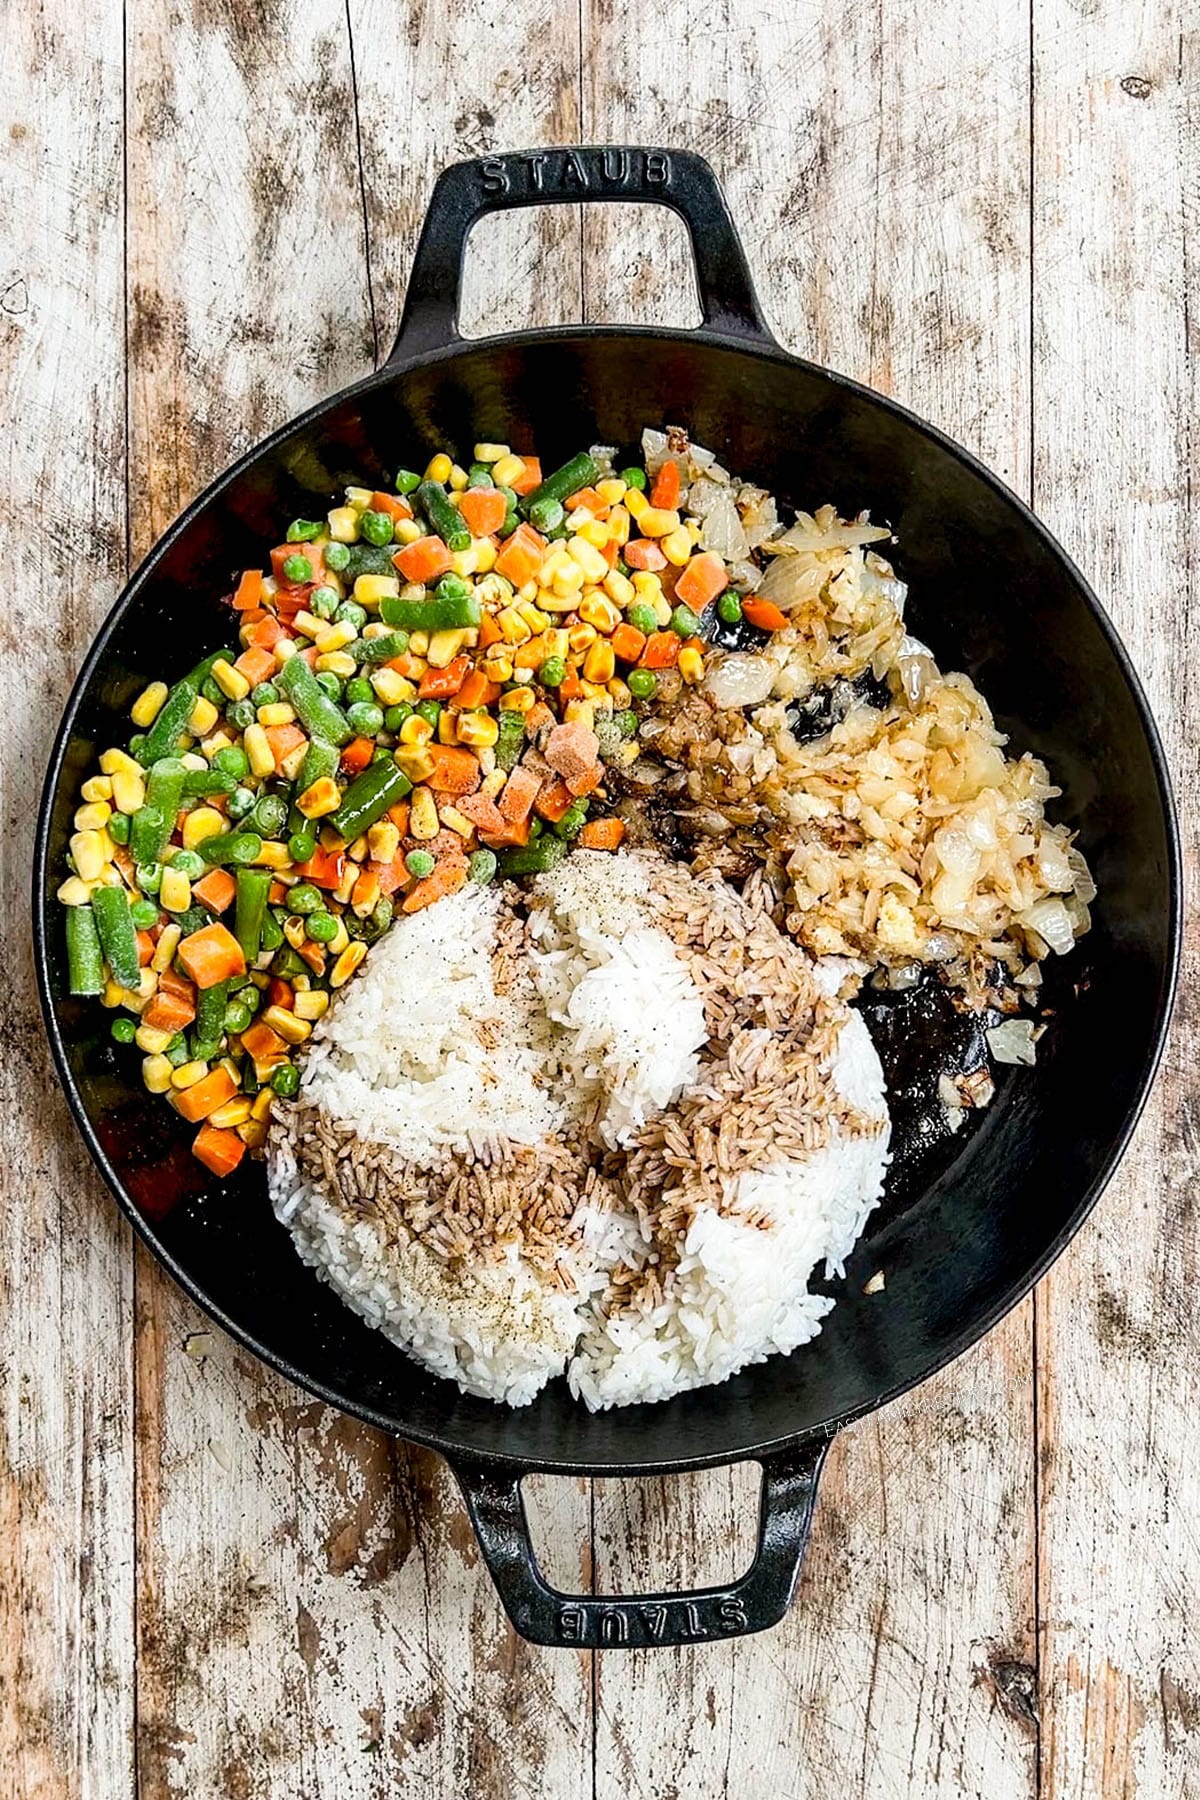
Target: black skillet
(994, 594)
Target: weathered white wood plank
(1116, 293)
(66, 1448)
(877, 164)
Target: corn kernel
(217, 740)
(438, 467)
(515, 630)
(618, 526)
(203, 822)
(444, 646)
(416, 731)
(498, 668)
(517, 700)
(383, 840)
(312, 1005)
(662, 610)
(293, 931)
(234, 1112)
(493, 783)
(94, 816)
(478, 729)
(278, 712)
(548, 601)
(358, 848)
(407, 531)
(611, 490)
(369, 590)
(114, 761)
(691, 665)
(87, 852)
(175, 894)
(447, 726)
(423, 817)
(646, 585)
(536, 621)
(231, 681)
(529, 592)
(129, 790)
(260, 1108)
(151, 1041)
(676, 546)
(456, 821)
(346, 964)
(335, 637)
(619, 694)
(571, 577)
(338, 943)
(595, 533)
(337, 662)
(457, 478)
(359, 498)
(187, 1075)
(75, 891)
(291, 1029)
(581, 638)
(308, 623)
(321, 799)
(166, 947)
(694, 530)
(389, 688)
(507, 469)
(531, 655)
(619, 588)
(580, 712)
(416, 763)
(273, 856)
(284, 651)
(628, 753)
(343, 525)
(599, 696)
(202, 717)
(148, 705)
(156, 1074)
(599, 610)
(599, 664)
(657, 521)
(491, 453)
(365, 893)
(636, 503)
(485, 555)
(97, 787)
(258, 750)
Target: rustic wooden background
(210, 1586)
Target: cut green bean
(203, 670)
(317, 713)
(118, 939)
(580, 472)
(535, 858)
(368, 797)
(231, 847)
(511, 740)
(320, 761)
(379, 649)
(148, 834)
(367, 559)
(210, 1013)
(171, 723)
(445, 519)
(452, 612)
(85, 960)
(250, 913)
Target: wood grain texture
(1115, 309)
(66, 1562)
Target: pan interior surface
(991, 594)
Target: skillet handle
(467, 191)
(543, 1615)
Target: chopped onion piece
(1051, 921)
(833, 537)
(740, 679)
(1012, 1041)
(723, 531)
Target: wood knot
(1137, 87)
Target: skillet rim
(768, 351)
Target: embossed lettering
(574, 173)
(658, 168)
(655, 1620)
(571, 1623)
(614, 1627)
(495, 175)
(732, 1615)
(691, 1620)
(535, 170)
(615, 166)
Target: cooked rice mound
(609, 1128)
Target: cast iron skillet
(990, 589)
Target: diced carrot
(219, 1151)
(392, 875)
(280, 993)
(277, 893)
(585, 496)
(644, 553)
(313, 955)
(398, 814)
(145, 947)
(519, 793)
(484, 510)
(448, 876)
(483, 813)
(283, 739)
(667, 485)
(489, 632)
(171, 983)
(324, 868)
(702, 580)
(408, 665)
(627, 642)
(602, 834)
(476, 691)
(764, 613)
(211, 954)
(264, 1047)
(440, 684)
(249, 591)
(515, 835)
(169, 1010)
(366, 891)
(266, 632)
(553, 800)
(357, 754)
(256, 664)
(522, 555)
(195, 1103)
(662, 650)
(571, 687)
(216, 890)
(423, 560)
(392, 505)
(611, 552)
(530, 476)
(313, 556)
(539, 718)
(587, 782)
(454, 771)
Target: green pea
(430, 710)
(375, 527)
(241, 714)
(480, 476)
(552, 671)
(144, 914)
(237, 1017)
(118, 828)
(265, 694)
(572, 821)
(123, 1030)
(351, 613)
(729, 607)
(381, 916)
(358, 690)
(297, 569)
(395, 716)
(546, 515)
(304, 898)
(232, 760)
(240, 802)
(536, 828)
(285, 1080)
(149, 877)
(301, 846)
(188, 862)
(212, 691)
(336, 556)
(323, 601)
(628, 722)
(406, 482)
(269, 815)
(642, 618)
(481, 866)
(321, 927)
(366, 717)
(381, 754)
(642, 683)
(685, 622)
(330, 682)
(634, 478)
(302, 531)
(419, 863)
(453, 587)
